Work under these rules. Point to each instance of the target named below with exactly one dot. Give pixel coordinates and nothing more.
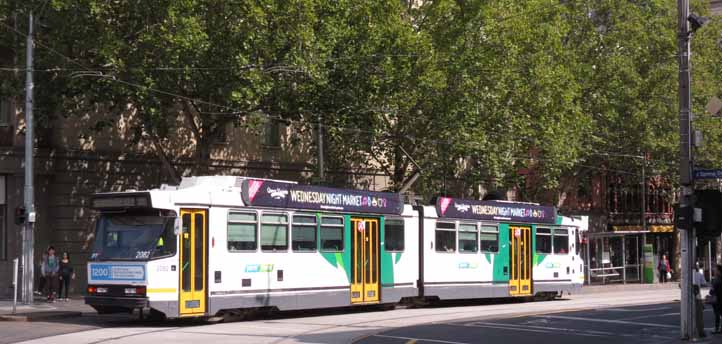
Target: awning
(638, 229)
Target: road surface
(334, 326)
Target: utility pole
(644, 194)
(28, 240)
(687, 234)
(321, 176)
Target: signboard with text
(708, 174)
(263, 193)
(495, 210)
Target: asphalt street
(658, 323)
(482, 321)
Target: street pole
(686, 178)
(644, 195)
(320, 149)
(28, 241)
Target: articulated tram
(223, 243)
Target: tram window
(544, 240)
(303, 233)
(468, 238)
(274, 232)
(445, 237)
(242, 231)
(166, 245)
(394, 235)
(332, 233)
(489, 238)
(561, 241)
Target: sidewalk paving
(41, 310)
(612, 288)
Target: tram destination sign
(494, 210)
(263, 193)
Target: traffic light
(710, 202)
(20, 215)
(683, 217)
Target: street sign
(708, 174)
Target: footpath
(42, 310)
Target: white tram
(224, 243)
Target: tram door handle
(506, 270)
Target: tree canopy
(533, 95)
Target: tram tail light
(97, 290)
(135, 291)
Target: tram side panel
(286, 278)
(557, 265)
(461, 271)
(399, 256)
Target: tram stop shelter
(626, 254)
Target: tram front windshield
(130, 236)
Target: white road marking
(418, 339)
(561, 317)
(545, 329)
(635, 310)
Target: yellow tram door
(192, 271)
(365, 253)
(520, 256)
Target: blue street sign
(707, 174)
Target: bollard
(15, 284)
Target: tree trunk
(167, 166)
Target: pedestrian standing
(716, 297)
(663, 268)
(66, 275)
(51, 269)
(41, 280)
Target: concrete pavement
(336, 326)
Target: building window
(332, 233)
(445, 237)
(274, 232)
(6, 112)
(242, 231)
(544, 240)
(272, 133)
(489, 238)
(561, 241)
(394, 235)
(468, 241)
(303, 233)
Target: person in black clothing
(66, 274)
(716, 291)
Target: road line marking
(530, 329)
(542, 328)
(417, 339)
(636, 310)
(561, 317)
(650, 316)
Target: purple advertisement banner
(494, 210)
(263, 193)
